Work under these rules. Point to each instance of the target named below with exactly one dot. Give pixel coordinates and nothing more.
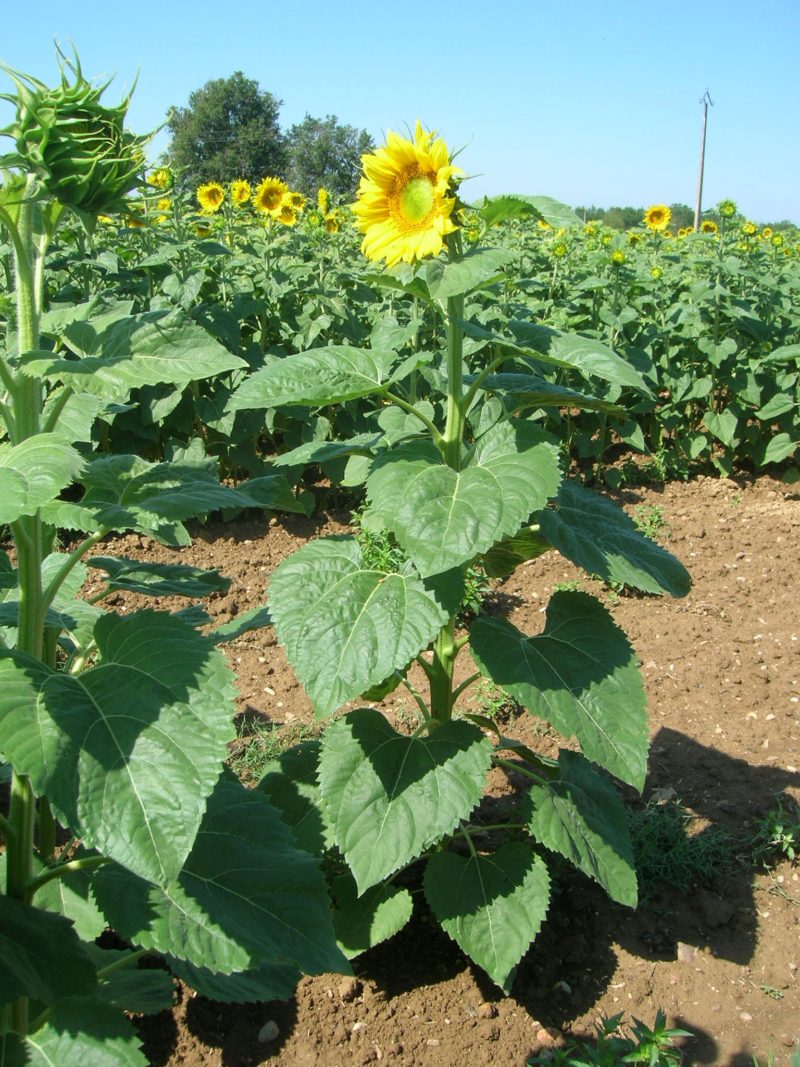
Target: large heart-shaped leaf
(151, 348)
(84, 1032)
(368, 622)
(364, 921)
(389, 797)
(317, 377)
(34, 472)
(581, 816)
(245, 896)
(444, 518)
(492, 906)
(31, 940)
(580, 674)
(592, 532)
(474, 269)
(127, 751)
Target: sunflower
(164, 204)
(160, 178)
(240, 192)
(323, 200)
(297, 200)
(403, 208)
(210, 197)
(657, 217)
(749, 228)
(286, 213)
(767, 232)
(332, 222)
(727, 208)
(708, 226)
(269, 194)
(617, 258)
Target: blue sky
(585, 101)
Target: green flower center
(417, 199)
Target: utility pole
(706, 100)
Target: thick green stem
(441, 676)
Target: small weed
(259, 742)
(567, 587)
(771, 991)
(649, 520)
(777, 836)
(494, 704)
(736, 499)
(667, 854)
(611, 1046)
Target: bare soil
(722, 673)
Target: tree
(229, 130)
(322, 152)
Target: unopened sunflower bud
(77, 147)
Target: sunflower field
(471, 373)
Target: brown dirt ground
(722, 673)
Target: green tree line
(230, 129)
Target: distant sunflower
(749, 228)
(727, 208)
(269, 194)
(708, 226)
(403, 208)
(657, 217)
(323, 200)
(297, 200)
(332, 222)
(210, 197)
(160, 178)
(286, 214)
(164, 204)
(240, 192)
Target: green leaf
(777, 449)
(389, 797)
(581, 816)
(254, 619)
(543, 344)
(245, 896)
(474, 269)
(85, 1032)
(364, 921)
(34, 472)
(317, 377)
(595, 534)
(324, 451)
(492, 906)
(516, 205)
(152, 348)
(369, 622)
(580, 674)
(503, 558)
(159, 579)
(444, 518)
(521, 391)
(77, 416)
(290, 784)
(127, 751)
(268, 981)
(43, 958)
(128, 493)
(722, 425)
(137, 989)
(71, 896)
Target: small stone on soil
(268, 1032)
(487, 1010)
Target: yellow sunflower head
(210, 197)
(297, 200)
(286, 213)
(240, 192)
(269, 194)
(749, 228)
(767, 232)
(164, 204)
(403, 208)
(656, 272)
(634, 238)
(543, 224)
(657, 217)
(708, 226)
(777, 239)
(161, 178)
(618, 258)
(323, 200)
(332, 222)
(727, 208)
